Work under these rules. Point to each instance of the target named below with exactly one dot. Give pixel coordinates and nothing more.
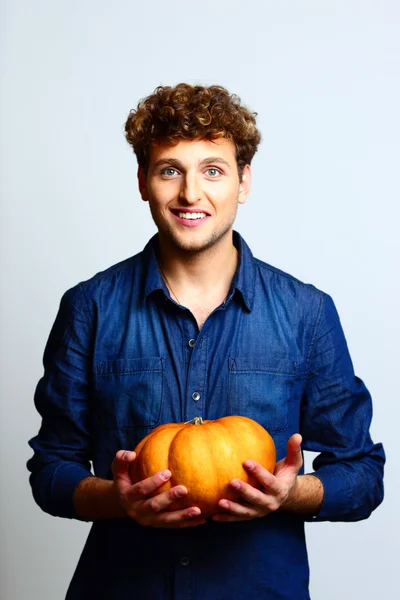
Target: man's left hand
(276, 488)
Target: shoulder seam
(83, 294)
(110, 271)
(315, 329)
(277, 271)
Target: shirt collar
(243, 280)
(245, 276)
(154, 280)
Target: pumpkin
(204, 456)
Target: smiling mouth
(190, 215)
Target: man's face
(193, 190)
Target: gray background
(324, 78)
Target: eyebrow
(173, 162)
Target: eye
(169, 172)
(213, 172)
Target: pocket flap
(268, 364)
(129, 365)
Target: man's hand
(277, 489)
(152, 511)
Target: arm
(97, 499)
(62, 448)
(306, 496)
(336, 416)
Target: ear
(142, 184)
(245, 185)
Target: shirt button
(196, 396)
(191, 343)
(184, 561)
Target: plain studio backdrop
(324, 79)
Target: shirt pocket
(261, 389)
(129, 392)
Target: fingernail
(249, 464)
(180, 493)
(235, 484)
(194, 512)
(126, 455)
(165, 475)
(224, 504)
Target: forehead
(193, 150)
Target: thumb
(121, 467)
(294, 456)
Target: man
(196, 326)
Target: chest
(164, 368)
(201, 311)
(201, 307)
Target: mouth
(190, 217)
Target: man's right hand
(152, 511)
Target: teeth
(185, 215)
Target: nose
(191, 191)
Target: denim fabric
(118, 363)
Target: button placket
(183, 576)
(196, 380)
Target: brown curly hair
(187, 112)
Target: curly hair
(188, 112)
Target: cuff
(337, 496)
(65, 480)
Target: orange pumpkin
(204, 456)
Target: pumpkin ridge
(234, 441)
(155, 431)
(222, 479)
(217, 472)
(174, 479)
(240, 442)
(150, 451)
(147, 438)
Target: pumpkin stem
(195, 421)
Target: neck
(205, 273)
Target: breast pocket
(129, 392)
(261, 388)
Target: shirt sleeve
(62, 448)
(336, 417)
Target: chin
(193, 245)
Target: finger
(121, 461)
(237, 512)
(267, 479)
(164, 500)
(250, 494)
(120, 467)
(178, 517)
(294, 456)
(146, 487)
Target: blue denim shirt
(121, 360)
